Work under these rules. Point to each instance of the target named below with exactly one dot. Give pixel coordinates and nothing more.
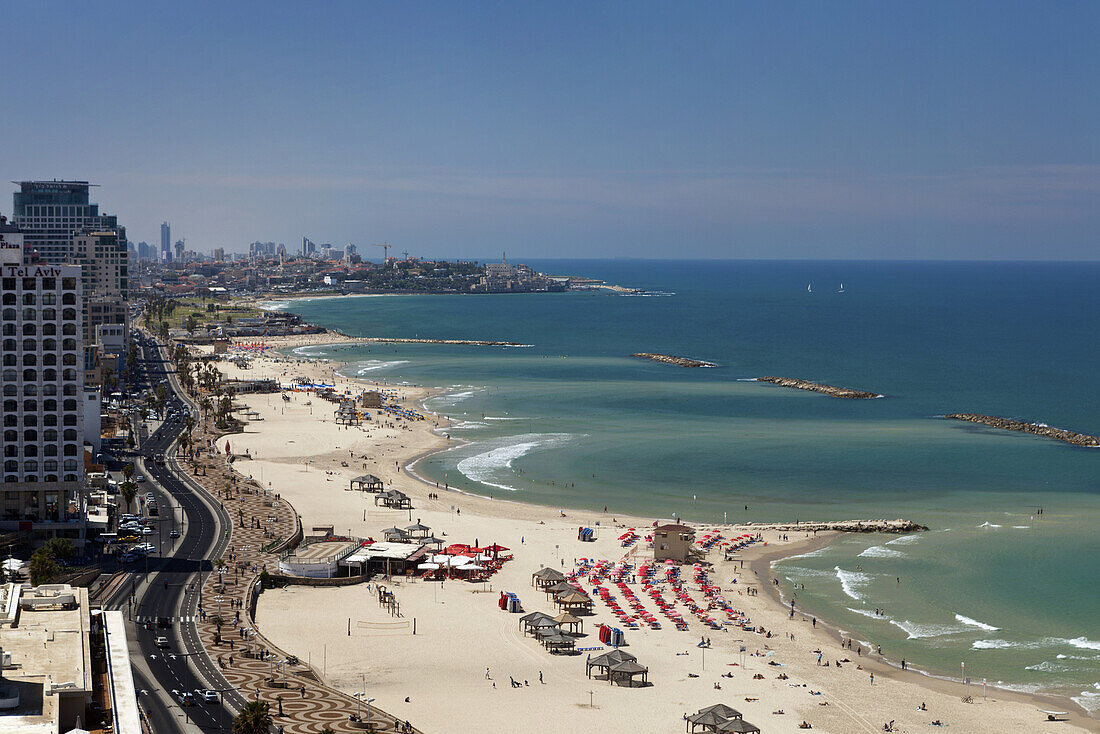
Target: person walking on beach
(486, 674)
(872, 678)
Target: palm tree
(254, 718)
(129, 492)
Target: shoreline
(476, 506)
(882, 665)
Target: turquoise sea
(572, 421)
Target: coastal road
(168, 586)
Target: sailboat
(841, 288)
(809, 287)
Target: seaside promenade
(263, 525)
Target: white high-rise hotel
(42, 391)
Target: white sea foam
(880, 551)
(802, 572)
(905, 539)
(811, 554)
(1021, 527)
(310, 349)
(374, 365)
(868, 613)
(499, 418)
(1084, 644)
(1088, 700)
(852, 581)
(994, 644)
(451, 399)
(976, 623)
(469, 424)
(489, 466)
(1048, 667)
(988, 524)
(274, 305)
(916, 630)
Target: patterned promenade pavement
(246, 658)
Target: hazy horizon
(851, 131)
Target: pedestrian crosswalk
(153, 620)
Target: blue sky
(720, 130)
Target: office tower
(349, 250)
(179, 250)
(143, 252)
(48, 212)
(219, 254)
(165, 239)
(43, 393)
(104, 267)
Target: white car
(146, 531)
(174, 534)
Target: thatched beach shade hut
(417, 530)
(396, 535)
(625, 671)
(738, 726)
(576, 624)
(528, 619)
(605, 661)
(556, 643)
(573, 601)
(393, 499)
(367, 483)
(432, 540)
(559, 587)
(542, 626)
(709, 718)
(546, 576)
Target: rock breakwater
(830, 390)
(672, 359)
(844, 526)
(1039, 429)
(473, 342)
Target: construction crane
(385, 249)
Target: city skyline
(855, 131)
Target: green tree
(129, 492)
(254, 718)
(44, 568)
(61, 549)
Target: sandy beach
(437, 677)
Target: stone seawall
(672, 359)
(830, 390)
(1007, 424)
